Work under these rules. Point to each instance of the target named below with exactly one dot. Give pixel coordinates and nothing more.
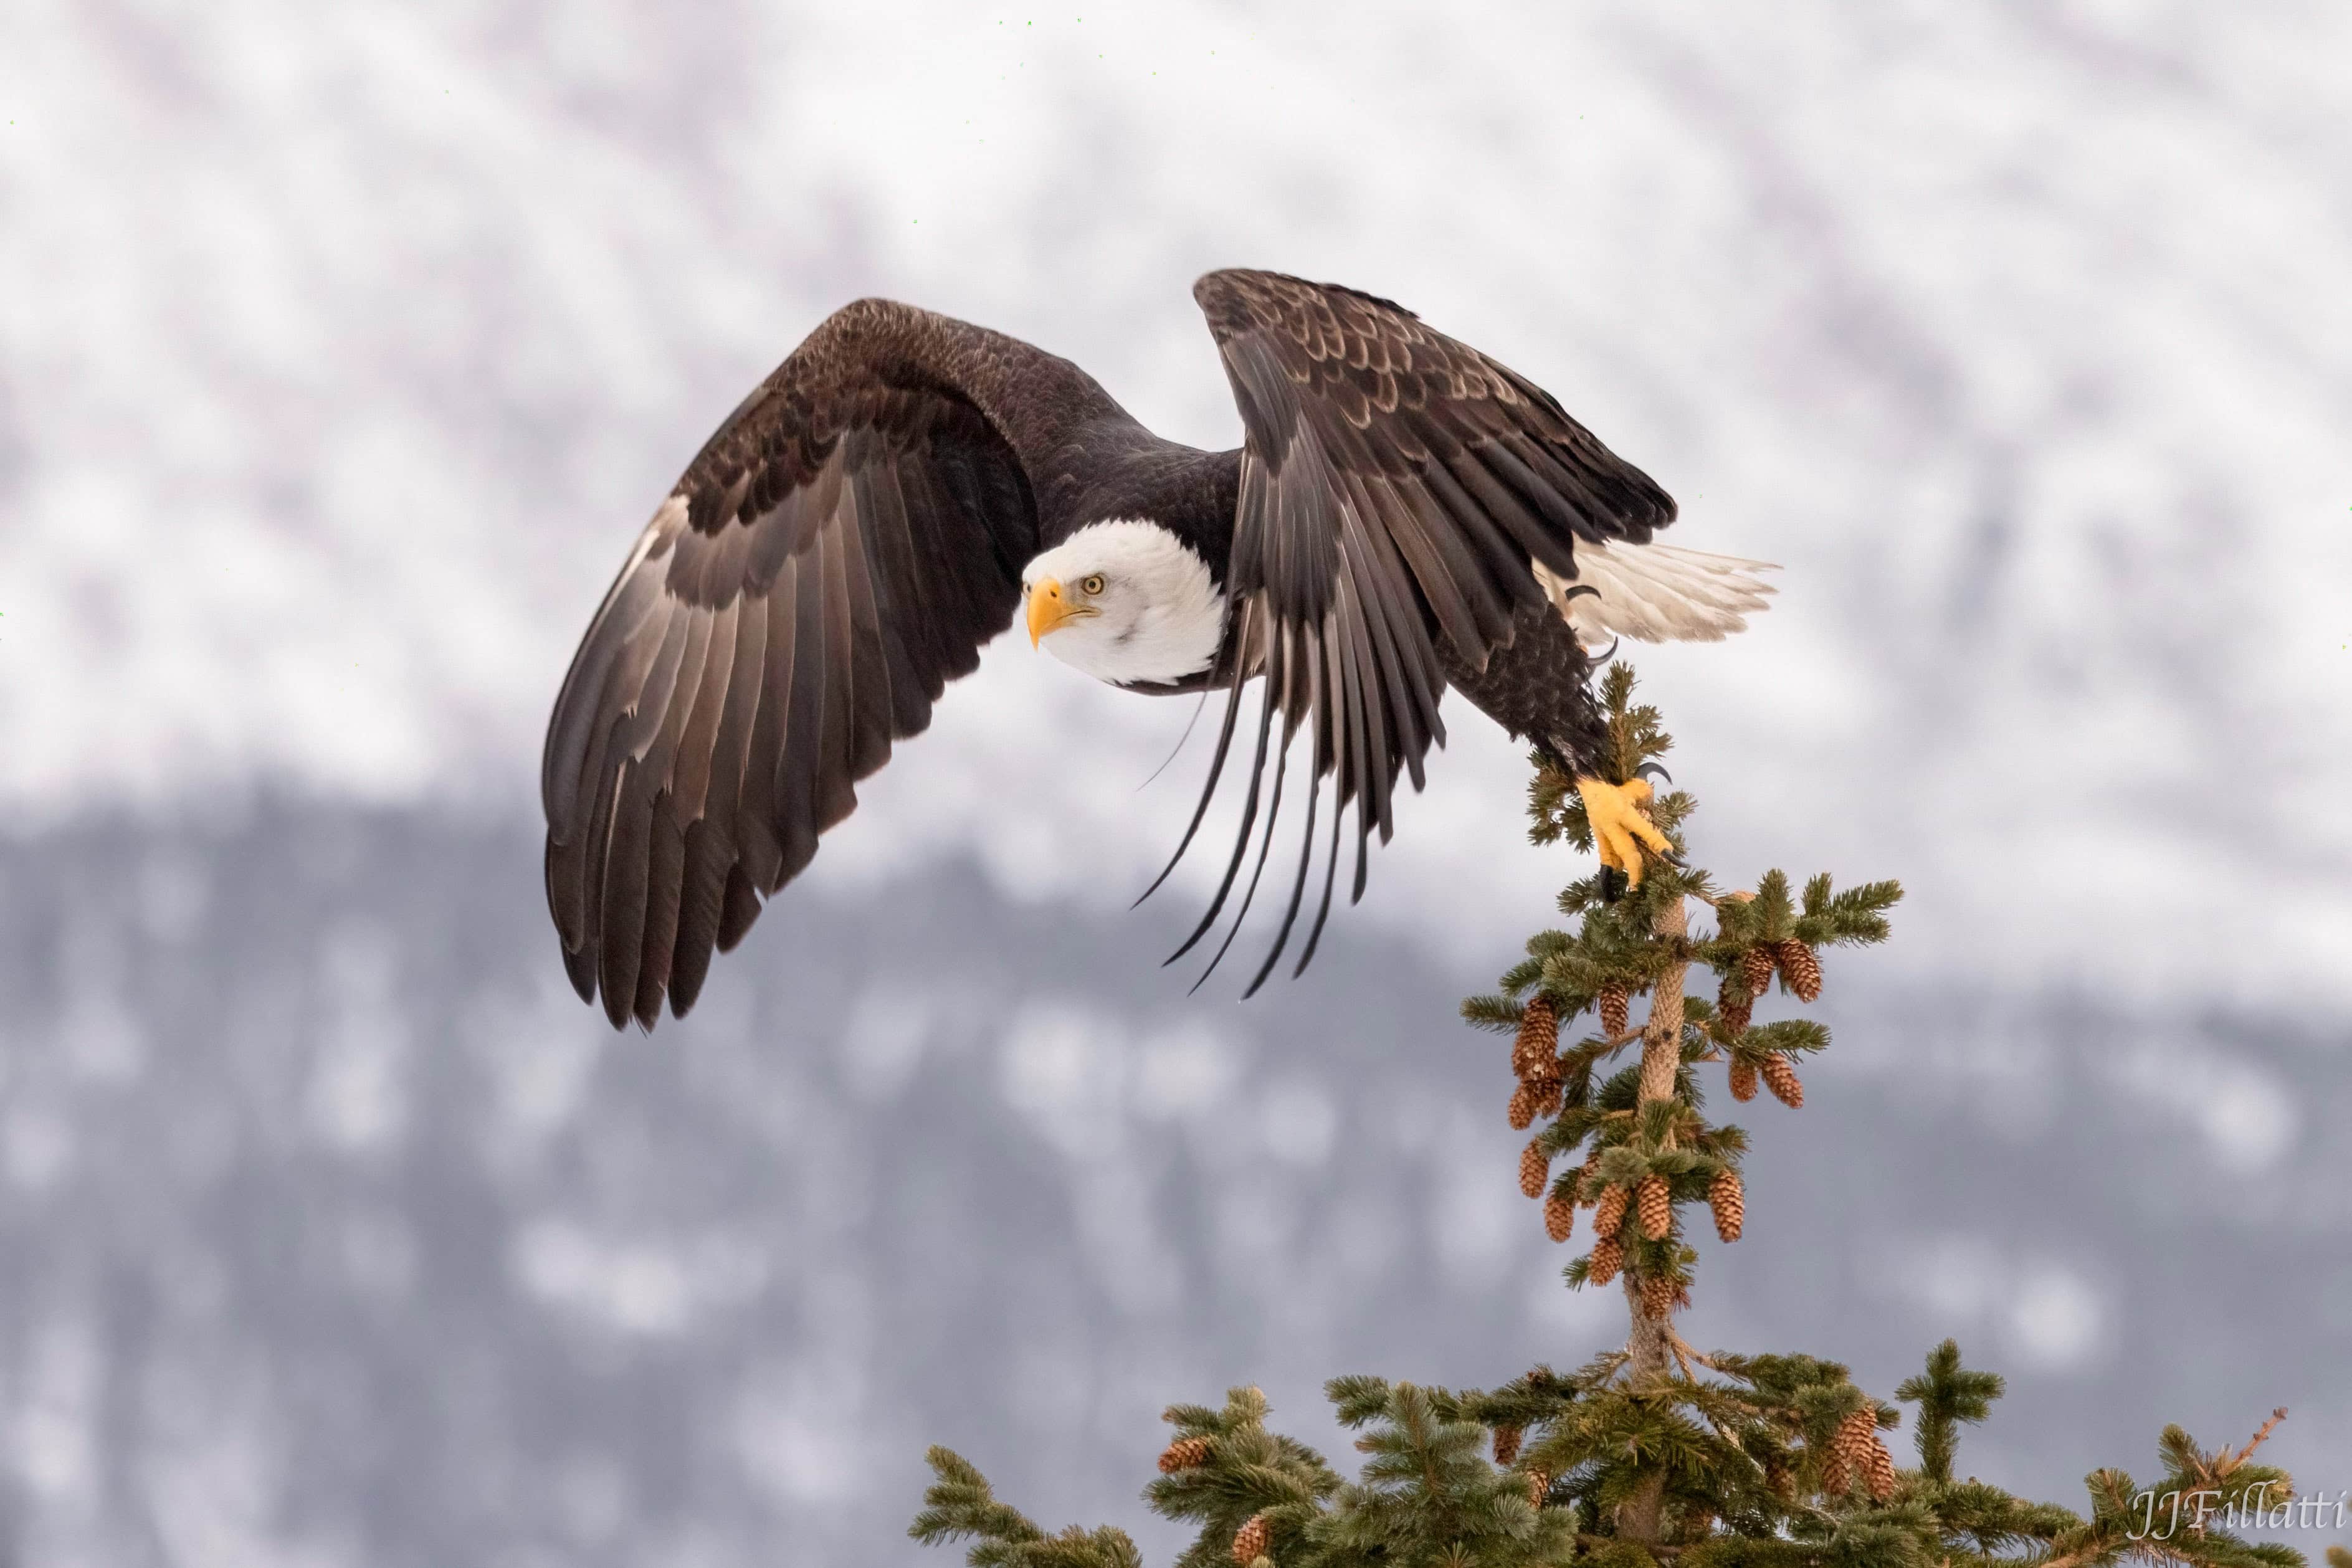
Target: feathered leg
(1538, 687)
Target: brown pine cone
(1834, 1476)
(1560, 1217)
(1548, 1094)
(1655, 1208)
(1251, 1541)
(1736, 1004)
(1799, 968)
(1880, 1471)
(1534, 1168)
(1588, 1191)
(1756, 969)
(1184, 1454)
(1613, 1003)
(1852, 1446)
(1523, 1106)
(1660, 1295)
(1506, 1444)
(1608, 1255)
(1725, 1195)
(1743, 1078)
(1539, 1488)
(1538, 1038)
(1777, 1480)
(1781, 1078)
(1609, 1213)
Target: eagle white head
(1125, 600)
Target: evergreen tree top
(1655, 1454)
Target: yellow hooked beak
(1049, 607)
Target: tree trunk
(1662, 1037)
(1650, 1343)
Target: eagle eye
(1091, 584)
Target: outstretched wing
(1396, 487)
(835, 555)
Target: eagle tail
(1656, 593)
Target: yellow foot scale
(1620, 828)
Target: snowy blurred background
(342, 351)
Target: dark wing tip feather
(580, 969)
(740, 909)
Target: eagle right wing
(837, 553)
(1397, 486)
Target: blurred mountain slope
(333, 1228)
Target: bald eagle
(1404, 515)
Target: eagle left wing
(1397, 486)
(835, 555)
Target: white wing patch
(1657, 594)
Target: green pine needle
(1721, 1456)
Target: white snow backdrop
(343, 350)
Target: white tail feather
(1657, 594)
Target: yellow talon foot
(1619, 829)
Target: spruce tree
(1653, 1453)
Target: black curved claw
(1652, 770)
